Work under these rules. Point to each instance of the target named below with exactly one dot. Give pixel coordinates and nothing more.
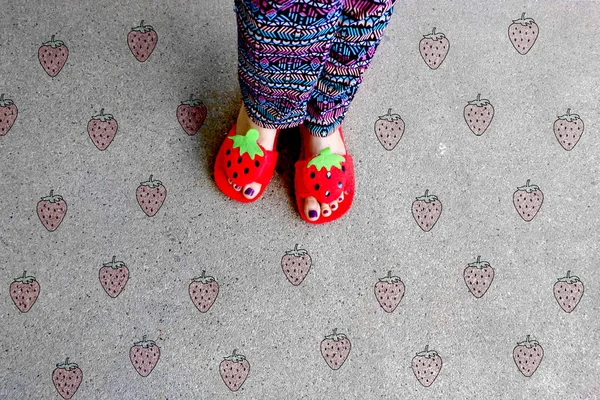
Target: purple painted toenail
(249, 192)
(312, 214)
(325, 212)
(333, 207)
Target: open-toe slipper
(240, 161)
(325, 177)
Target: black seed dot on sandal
(228, 164)
(257, 163)
(246, 170)
(327, 193)
(235, 175)
(343, 168)
(317, 186)
(328, 175)
(228, 152)
(239, 160)
(340, 185)
(312, 175)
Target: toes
(325, 210)
(333, 205)
(341, 198)
(252, 190)
(312, 208)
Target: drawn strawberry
(53, 56)
(478, 277)
(528, 200)
(191, 115)
(144, 356)
(102, 129)
(51, 210)
(24, 292)
(295, 264)
(434, 49)
(151, 196)
(234, 370)
(389, 129)
(426, 366)
(326, 167)
(528, 356)
(142, 40)
(113, 276)
(478, 115)
(8, 114)
(426, 210)
(568, 129)
(568, 291)
(66, 378)
(335, 349)
(522, 34)
(389, 292)
(203, 292)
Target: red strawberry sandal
(325, 177)
(241, 161)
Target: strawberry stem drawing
(523, 33)
(203, 292)
(142, 40)
(51, 210)
(478, 115)
(191, 115)
(568, 129)
(434, 48)
(478, 276)
(389, 129)
(426, 366)
(24, 292)
(8, 114)
(335, 349)
(53, 56)
(295, 264)
(151, 196)
(568, 291)
(426, 210)
(144, 356)
(528, 356)
(66, 378)
(528, 200)
(113, 277)
(102, 129)
(234, 370)
(389, 292)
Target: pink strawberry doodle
(295, 264)
(66, 378)
(151, 196)
(53, 56)
(51, 210)
(234, 370)
(144, 356)
(568, 129)
(528, 200)
(434, 48)
(142, 40)
(426, 366)
(478, 276)
(203, 292)
(335, 349)
(523, 33)
(528, 356)
(389, 129)
(8, 114)
(102, 129)
(568, 291)
(478, 115)
(389, 292)
(113, 277)
(426, 211)
(191, 115)
(24, 292)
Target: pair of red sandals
(241, 160)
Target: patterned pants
(301, 61)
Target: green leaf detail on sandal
(247, 143)
(326, 159)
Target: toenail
(236, 187)
(249, 192)
(312, 214)
(333, 207)
(340, 199)
(325, 212)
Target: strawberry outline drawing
(145, 33)
(437, 55)
(296, 264)
(102, 129)
(389, 292)
(389, 129)
(24, 292)
(527, 356)
(571, 288)
(53, 56)
(478, 285)
(207, 288)
(426, 365)
(517, 36)
(335, 349)
(144, 351)
(234, 370)
(113, 277)
(152, 188)
(66, 378)
(568, 123)
(8, 114)
(483, 113)
(191, 115)
(424, 207)
(532, 194)
(51, 211)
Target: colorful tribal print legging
(303, 60)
